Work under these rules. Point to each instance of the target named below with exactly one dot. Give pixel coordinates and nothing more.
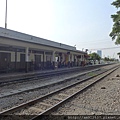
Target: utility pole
(6, 16)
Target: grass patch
(91, 74)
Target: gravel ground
(23, 97)
(101, 99)
(18, 99)
(51, 100)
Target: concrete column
(44, 57)
(63, 57)
(15, 59)
(53, 56)
(68, 60)
(72, 60)
(69, 57)
(27, 58)
(26, 54)
(41, 57)
(75, 60)
(82, 60)
(53, 59)
(81, 57)
(44, 60)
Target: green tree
(115, 33)
(94, 56)
(106, 59)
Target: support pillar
(63, 57)
(44, 60)
(26, 59)
(16, 59)
(72, 60)
(63, 60)
(75, 60)
(81, 58)
(68, 60)
(53, 59)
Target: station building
(23, 52)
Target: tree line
(95, 57)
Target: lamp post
(6, 16)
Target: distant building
(99, 52)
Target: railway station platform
(19, 74)
(6, 76)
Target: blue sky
(84, 23)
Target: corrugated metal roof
(29, 38)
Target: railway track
(29, 89)
(45, 104)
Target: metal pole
(6, 16)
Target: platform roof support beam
(63, 57)
(68, 60)
(75, 60)
(53, 59)
(72, 60)
(44, 59)
(81, 58)
(53, 56)
(69, 57)
(26, 59)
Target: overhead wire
(105, 48)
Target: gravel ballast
(101, 99)
(24, 97)
(21, 98)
